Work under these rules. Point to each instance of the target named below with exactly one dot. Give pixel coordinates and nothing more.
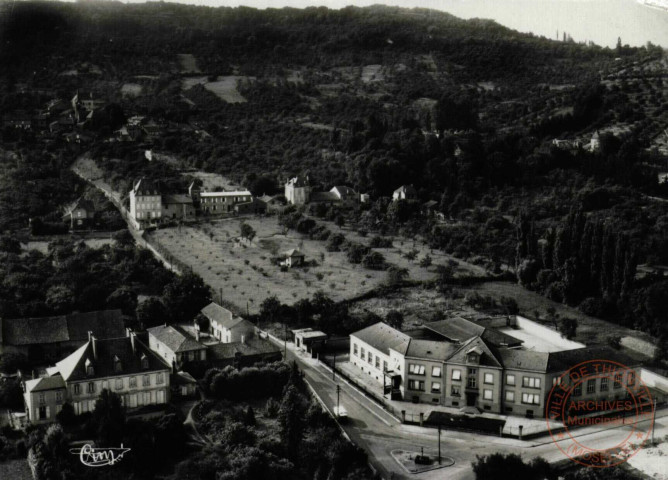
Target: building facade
(298, 190)
(122, 365)
(218, 203)
(146, 202)
(484, 369)
(175, 347)
(226, 327)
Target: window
(510, 380)
(472, 371)
(160, 378)
(42, 398)
(618, 381)
(90, 371)
(531, 382)
(59, 397)
(369, 357)
(630, 379)
(362, 352)
(355, 349)
(377, 365)
(384, 366)
(91, 387)
(77, 389)
(146, 380)
(487, 394)
(417, 385)
(577, 391)
(144, 361)
(133, 382)
(471, 382)
(510, 396)
(435, 371)
(530, 399)
(119, 384)
(436, 387)
(456, 374)
(591, 385)
(416, 369)
(489, 378)
(455, 391)
(604, 384)
(117, 364)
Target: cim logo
(99, 457)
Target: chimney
(133, 336)
(93, 341)
(197, 334)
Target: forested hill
(489, 126)
(142, 36)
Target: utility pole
(334, 369)
(285, 340)
(653, 420)
(221, 295)
(338, 391)
(439, 444)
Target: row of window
(225, 199)
(368, 356)
(419, 386)
(91, 387)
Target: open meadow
(247, 275)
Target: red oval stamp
(603, 394)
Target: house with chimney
(298, 190)
(123, 365)
(225, 326)
(175, 347)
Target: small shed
(309, 340)
(184, 384)
(292, 258)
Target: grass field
(247, 276)
(224, 87)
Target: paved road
(379, 433)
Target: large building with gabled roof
(123, 365)
(478, 363)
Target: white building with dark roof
(459, 362)
(225, 326)
(174, 347)
(122, 365)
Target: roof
(312, 334)
(406, 189)
(173, 339)
(294, 252)
(430, 204)
(477, 345)
(73, 368)
(324, 197)
(62, 328)
(430, 349)
(146, 187)
(299, 181)
(45, 383)
(459, 329)
(344, 190)
(176, 199)
(267, 198)
(521, 359)
(225, 194)
(567, 359)
(251, 346)
(183, 378)
(382, 337)
(223, 317)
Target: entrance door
(471, 399)
(42, 413)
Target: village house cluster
(90, 352)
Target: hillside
(520, 141)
